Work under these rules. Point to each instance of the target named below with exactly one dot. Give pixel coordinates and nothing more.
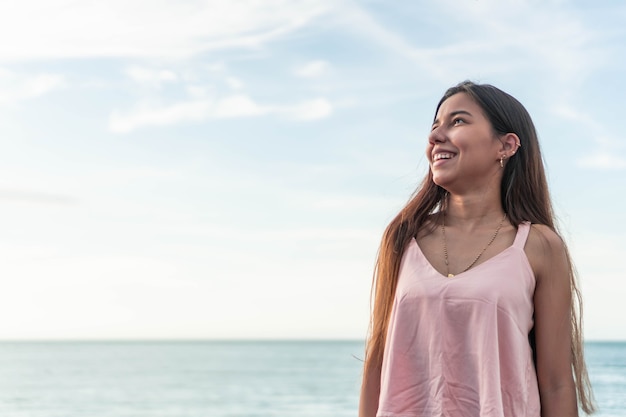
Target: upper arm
(552, 302)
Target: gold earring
(502, 161)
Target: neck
(472, 211)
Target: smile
(442, 155)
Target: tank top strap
(522, 234)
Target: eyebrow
(455, 113)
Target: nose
(437, 135)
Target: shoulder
(544, 238)
(545, 250)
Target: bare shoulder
(543, 238)
(545, 250)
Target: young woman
(475, 304)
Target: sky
(225, 168)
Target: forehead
(459, 102)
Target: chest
(504, 280)
(456, 252)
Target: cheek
(428, 151)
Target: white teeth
(439, 156)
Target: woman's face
(463, 151)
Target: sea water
(216, 378)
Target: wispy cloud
(137, 173)
(234, 106)
(234, 83)
(522, 33)
(312, 69)
(506, 38)
(35, 197)
(147, 114)
(599, 131)
(359, 20)
(15, 87)
(606, 154)
(319, 108)
(152, 77)
(140, 28)
(237, 106)
(603, 160)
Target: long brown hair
(524, 197)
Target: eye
(457, 121)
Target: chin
(440, 180)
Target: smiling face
(463, 150)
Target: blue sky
(224, 169)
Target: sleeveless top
(458, 347)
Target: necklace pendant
(450, 275)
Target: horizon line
(219, 339)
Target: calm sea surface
(215, 379)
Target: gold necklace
(445, 246)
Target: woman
(475, 302)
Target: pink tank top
(458, 347)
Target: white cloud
(150, 115)
(265, 236)
(151, 76)
(590, 250)
(568, 112)
(16, 87)
(313, 69)
(337, 203)
(41, 29)
(607, 148)
(603, 160)
(319, 108)
(199, 91)
(234, 83)
(137, 173)
(35, 197)
(505, 38)
(359, 20)
(238, 105)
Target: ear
(510, 144)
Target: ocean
(216, 378)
